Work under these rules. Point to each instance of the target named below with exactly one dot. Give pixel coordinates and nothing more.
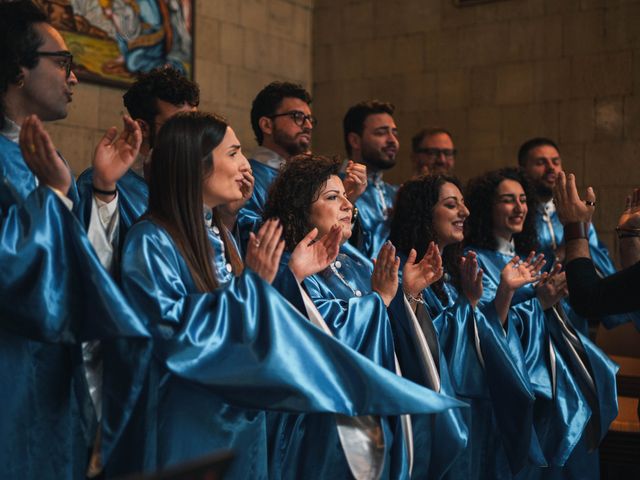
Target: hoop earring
(21, 83)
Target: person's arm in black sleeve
(591, 295)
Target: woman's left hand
(311, 256)
(416, 276)
(518, 273)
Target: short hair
(417, 139)
(356, 116)
(163, 83)
(480, 198)
(269, 99)
(293, 191)
(19, 42)
(526, 147)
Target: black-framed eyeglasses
(436, 152)
(298, 117)
(65, 54)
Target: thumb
(591, 195)
(411, 259)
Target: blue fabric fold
(54, 294)
(222, 357)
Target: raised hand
(570, 207)
(265, 249)
(115, 153)
(311, 256)
(41, 157)
(518, 273)
(229, 211)
(471, 278)
(630, 218)
(552, 287)
(384, 280)
(355, 181)
(416, 276)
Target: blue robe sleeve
(245, 343)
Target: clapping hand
(311, 256)
(384, 280)
(552, 287)
(518, 273)
(265, 249)
(355, 181)
(416, 276)
(41, 157)
(115, 154)
(471, 278)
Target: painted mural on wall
(112, 40)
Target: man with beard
(282, 123)
(433, 152)
(371, 138)
(541, 161)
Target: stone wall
(240, 46)
(494, 74)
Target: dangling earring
(21, 82)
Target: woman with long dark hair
(431, 209)
(570, 376)
(352, 296)
(226, 344)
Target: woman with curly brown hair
(570, 376)
(352, 296)
(473, 345)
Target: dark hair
(526, 147)
(416, 140)
(293, 191)
(356, 116)
(180, 163)
(163, 83)
(19, 42)
(480, 197)
(269, 100)
(412, 223)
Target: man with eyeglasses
(283, 124)
(55, 296)
(541, 161)
(371, 139)
(433, 152)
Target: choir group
(178, 299)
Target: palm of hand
(517, 276)
(472, 288)
(420, 275)
(630, 218)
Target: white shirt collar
(506, 247)
(547, 207)
(268, 157)
(11, 130)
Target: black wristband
(104, 192)
(576, 230)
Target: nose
(307, 123)
(463, 211)
(244, 163)
(346, 204)
(72, 80)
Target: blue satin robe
(601, 260)
(310, 443)
(501, 437)
(374, 217)
(221, 357)
(54, 294)
(563, 413)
